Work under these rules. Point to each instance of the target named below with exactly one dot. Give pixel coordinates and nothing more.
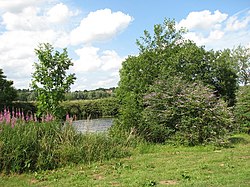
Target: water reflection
(93, 125)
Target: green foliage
(242, 109)
(26, 95)
(164, 35)
(50, 80)
(90, 95)
(241, 55)
(215, 69)
(84, 109)
(187, 112)
(30, 95)
(7, 92)
(42, 146)
(223, 76)
(25, 107)
(167, 54)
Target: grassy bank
(154, 165)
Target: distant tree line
(30, 95)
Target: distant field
(154, 165)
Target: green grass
(153, 165)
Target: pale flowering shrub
(187, 112)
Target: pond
(93, 125)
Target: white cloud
(27, 19)
(217, 31)
(96, 67)
(36, 19)
(203, 20)
(111, 60)
(59, 13)
(18, 5)
(100, 25)
(234, 23)
(215, 35)
(91, 59)
(107, 83)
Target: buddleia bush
(189, 113)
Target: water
(93, 125)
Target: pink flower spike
(67, 117)
(8, 117)
(13, 122)
(13, 113)
(22, 116)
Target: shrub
(242, 109)
(187, 112)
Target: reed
(29, 145)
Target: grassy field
(154, 165)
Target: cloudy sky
(100, 34)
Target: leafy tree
(157, 54)
(164, 55)
(223, 75)
(242, 56)
(7, 92)
(50, 80)
(216, 69)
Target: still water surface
(93, 125)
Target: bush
(242, 109)
(187, 112)
(41, 146)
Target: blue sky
(100, 34)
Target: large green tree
(162, 56)
(50, 79)
(7, 92)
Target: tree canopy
(7, 92)
(50, 80)
(241, 55)
(167, 54)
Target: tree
(157, 54)
(164, 55)
(50, 81)
(241, 56)
(7, 92)
(223, 75)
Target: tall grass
(36, 146)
